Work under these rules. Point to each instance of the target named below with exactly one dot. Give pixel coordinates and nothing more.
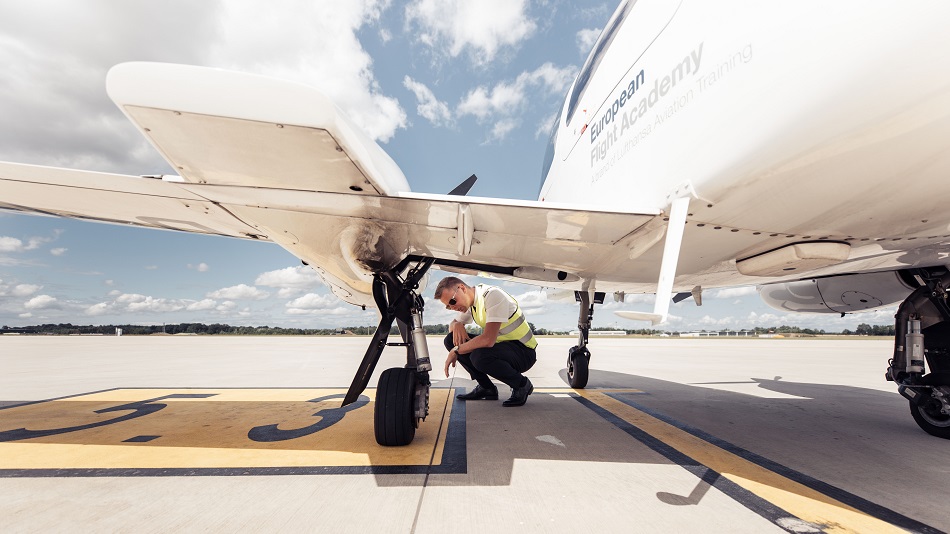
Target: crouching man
(504, 350)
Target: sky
(447, 87)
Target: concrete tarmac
(153, 434)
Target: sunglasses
(452, 300)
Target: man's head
(454, 294)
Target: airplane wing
(271, 160)
(346, 235)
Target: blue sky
(448, 88)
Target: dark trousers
(504, 361)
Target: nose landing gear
(578, 357)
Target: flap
(114, 198)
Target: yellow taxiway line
(797, 499)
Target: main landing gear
(402, 396)
(578, 357)
(923, 340)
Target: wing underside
(348, 236)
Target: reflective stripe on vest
(515, 329)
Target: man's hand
(459, 334)
(450, 360)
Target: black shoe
(519, 396)
(479, 393)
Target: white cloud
(290, 281)
(719, 322)
(764, 319)
(41, 302)
(501, 129)
(507, 97)
(341, 311)
(26, 315)
(287, 292)
(201, 305)
(58, 251)
(545, 127)
(430, 107)
(109, 282)
(99, 309)
(586, 39)
(503, 103)
(131, 303)
(201, 267)
(114, 293)
(240, 291)
(129, 298)
(152, 304)
(312, 301)
(10, 244)
(734, 292)
(151, 267)
(483, 28)
(532, 301)
(315, 43)
(24, 290)
(226, 306)
(35, 242)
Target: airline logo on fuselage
(689, 65)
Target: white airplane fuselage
(784, 123)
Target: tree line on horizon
(63, 329)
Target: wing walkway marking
(747, 472)
(216, 431)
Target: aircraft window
(606, 37)
(549, 152)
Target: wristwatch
(456, 349)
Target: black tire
(929, 418)
(394, 419)
(578, 371)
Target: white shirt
(499, 306)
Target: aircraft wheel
(930, 419)
(578, 362)
(394, 419)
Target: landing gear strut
(923, 340)
(578, 357)
(402, 397)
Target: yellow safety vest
(515, 329)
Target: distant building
(699, 334)
(724, 333)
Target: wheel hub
(937, 410)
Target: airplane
(801, 148)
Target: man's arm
(459, 334)
(485, 339)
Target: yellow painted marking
(578, 391)
(212, 432)
(799, 500)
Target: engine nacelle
(837, 294)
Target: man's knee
(449, 342)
